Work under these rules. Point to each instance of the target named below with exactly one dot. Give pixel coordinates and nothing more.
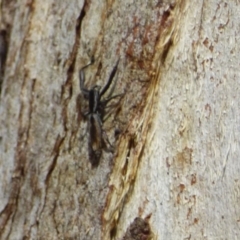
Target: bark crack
(67, 87)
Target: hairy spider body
(96, 111)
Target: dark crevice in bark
(30, 108)
(166, 51)
(56, 151)
(3, 53)
(7, 8)
(67, 88)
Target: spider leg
(112, 109)
(109, 112)
(104, 102)
(82, 79)
(108, 115)
(105, 139)
(105, 88)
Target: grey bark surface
(174, 171)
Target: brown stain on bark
(139, 229)
(185, 157)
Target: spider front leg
(82, 79)
(109, 82)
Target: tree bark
(170, 169)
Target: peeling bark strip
(130, 151)
(132, 143)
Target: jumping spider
(96, 112)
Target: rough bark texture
(175, 165)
